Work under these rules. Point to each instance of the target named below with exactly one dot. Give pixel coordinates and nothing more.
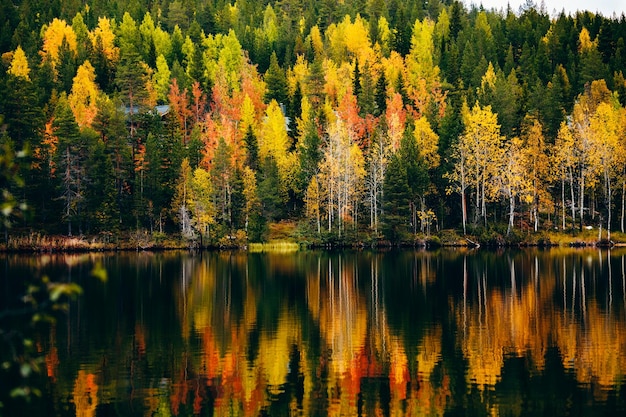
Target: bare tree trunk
(623, 206)
(563, 203)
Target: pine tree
(270, 190)
(71, 158)
(396, 212)
(22, 114)
(102, 210)
(380, 97)
(276, 82)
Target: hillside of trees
(355, 121)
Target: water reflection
(345, 333)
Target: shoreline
(48, 244)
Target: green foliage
(396, 212)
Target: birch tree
(606, 130)
(563, 162)
(537, 166)
(341, 172)
(482, 147)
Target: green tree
(72, 153)
(276, 82)
(272, 199)
(396, 212)
(110, 123)
(101, 208)
(130, 79)
(22, 114)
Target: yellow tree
(607, 129)
(420, 72)
(53, 36)
(563, 162)
(253, 203)
(476, 159)
(427, 145)
(275, 142)
(512, 177)
(537, 166)
(419, 61)
(103, 34)
(180, 201)
(19, 64)
(200, 202)
(427, 142)
(313, 203)
(585, 146)
(485, 144)
(84, 95)
(341, 176)
(395, 117)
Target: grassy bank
(289, 237)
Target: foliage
(295, 101)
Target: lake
(339, 333)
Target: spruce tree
(276, 82)
(396, 213)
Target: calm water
(452, 332)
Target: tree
(585, 147)
(130, 79)
(537, 165)
(101, 208)
(272, 196)
(180, 202)
(162, 78)
(201, 203)
(83, 98)
(341, 178)
(607, 127)
(504, 95)
(54, 35)
(476, 156)
(179, 105)
(275, 142)
(276, 82)
(416, 166)
(71, 163)
(110, 123)
(22, 113)
(563, 161)
(19, 64)
(255, 221)
(512, 177)
(396, 211)
(224, 186)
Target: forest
(365, 121)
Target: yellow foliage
(585, 44)
(19, 64)
(316, 40)
(53, 36)
(104, 32)
(84, 94)
(488, 81)
(427, 142)
(419, 62)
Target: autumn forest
(344, 121)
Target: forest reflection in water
(516, 332)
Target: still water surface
(450, 332)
